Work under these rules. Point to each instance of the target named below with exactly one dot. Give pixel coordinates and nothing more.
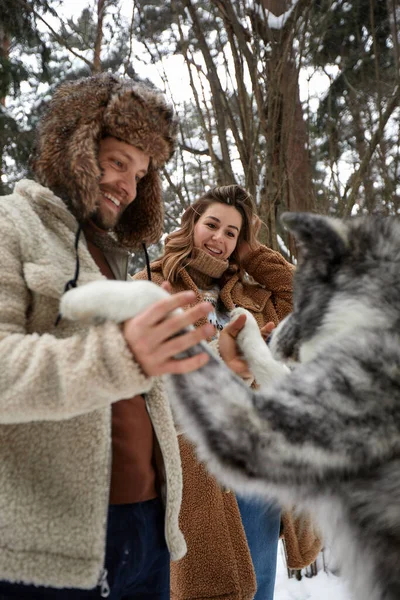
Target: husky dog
(326, 435)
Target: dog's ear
(317, 235)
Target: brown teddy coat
(218, 562)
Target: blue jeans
(137, 559)
(261, 523)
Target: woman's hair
(179, 244)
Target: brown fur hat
(79, 115)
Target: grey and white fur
(326, 435)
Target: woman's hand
(229, 350)
(267, 329)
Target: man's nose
(127, 183)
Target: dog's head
(347, 279)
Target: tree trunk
(99, 36)
(4, 53)
(289, 176)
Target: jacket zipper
(103, 584)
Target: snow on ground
(323, 586)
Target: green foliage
(354, 37)
(153, 19)
(353, 40)
(37, 59)
(24, 57)
(19, 22)
(80, 32)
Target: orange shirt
(133, 475)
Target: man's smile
(112, 199)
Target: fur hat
(79, 115)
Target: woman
(216, 254)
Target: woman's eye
(231, 234)
(118, 163)
(211, 225)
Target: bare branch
(57, 37)
(176, 188)
(186, 148)
(356, 179)
(216, 91)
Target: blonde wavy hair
(179, 244)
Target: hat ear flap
(66, 162)
(81, 161)
(145, 214)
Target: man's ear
(317, 235)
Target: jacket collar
(188, 283)
(43, 197)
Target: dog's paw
(109, 300)
(256, 352)
(250, 332)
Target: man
(82, 466)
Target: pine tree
(358, 39)
(19, 35)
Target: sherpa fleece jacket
(57, 385)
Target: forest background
(297, 100)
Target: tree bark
(4, 53)
(289, 176)
(277, 7)
(99, 37)
(393, 13)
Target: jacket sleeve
(302, 540)
(272, 271)
(46, 378)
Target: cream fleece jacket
(56, 388)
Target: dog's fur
(325, 436)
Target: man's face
(122, 167)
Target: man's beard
(106, 220)
(106, 223)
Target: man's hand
(149, 334)
(229, 351)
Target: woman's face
(217, 230)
